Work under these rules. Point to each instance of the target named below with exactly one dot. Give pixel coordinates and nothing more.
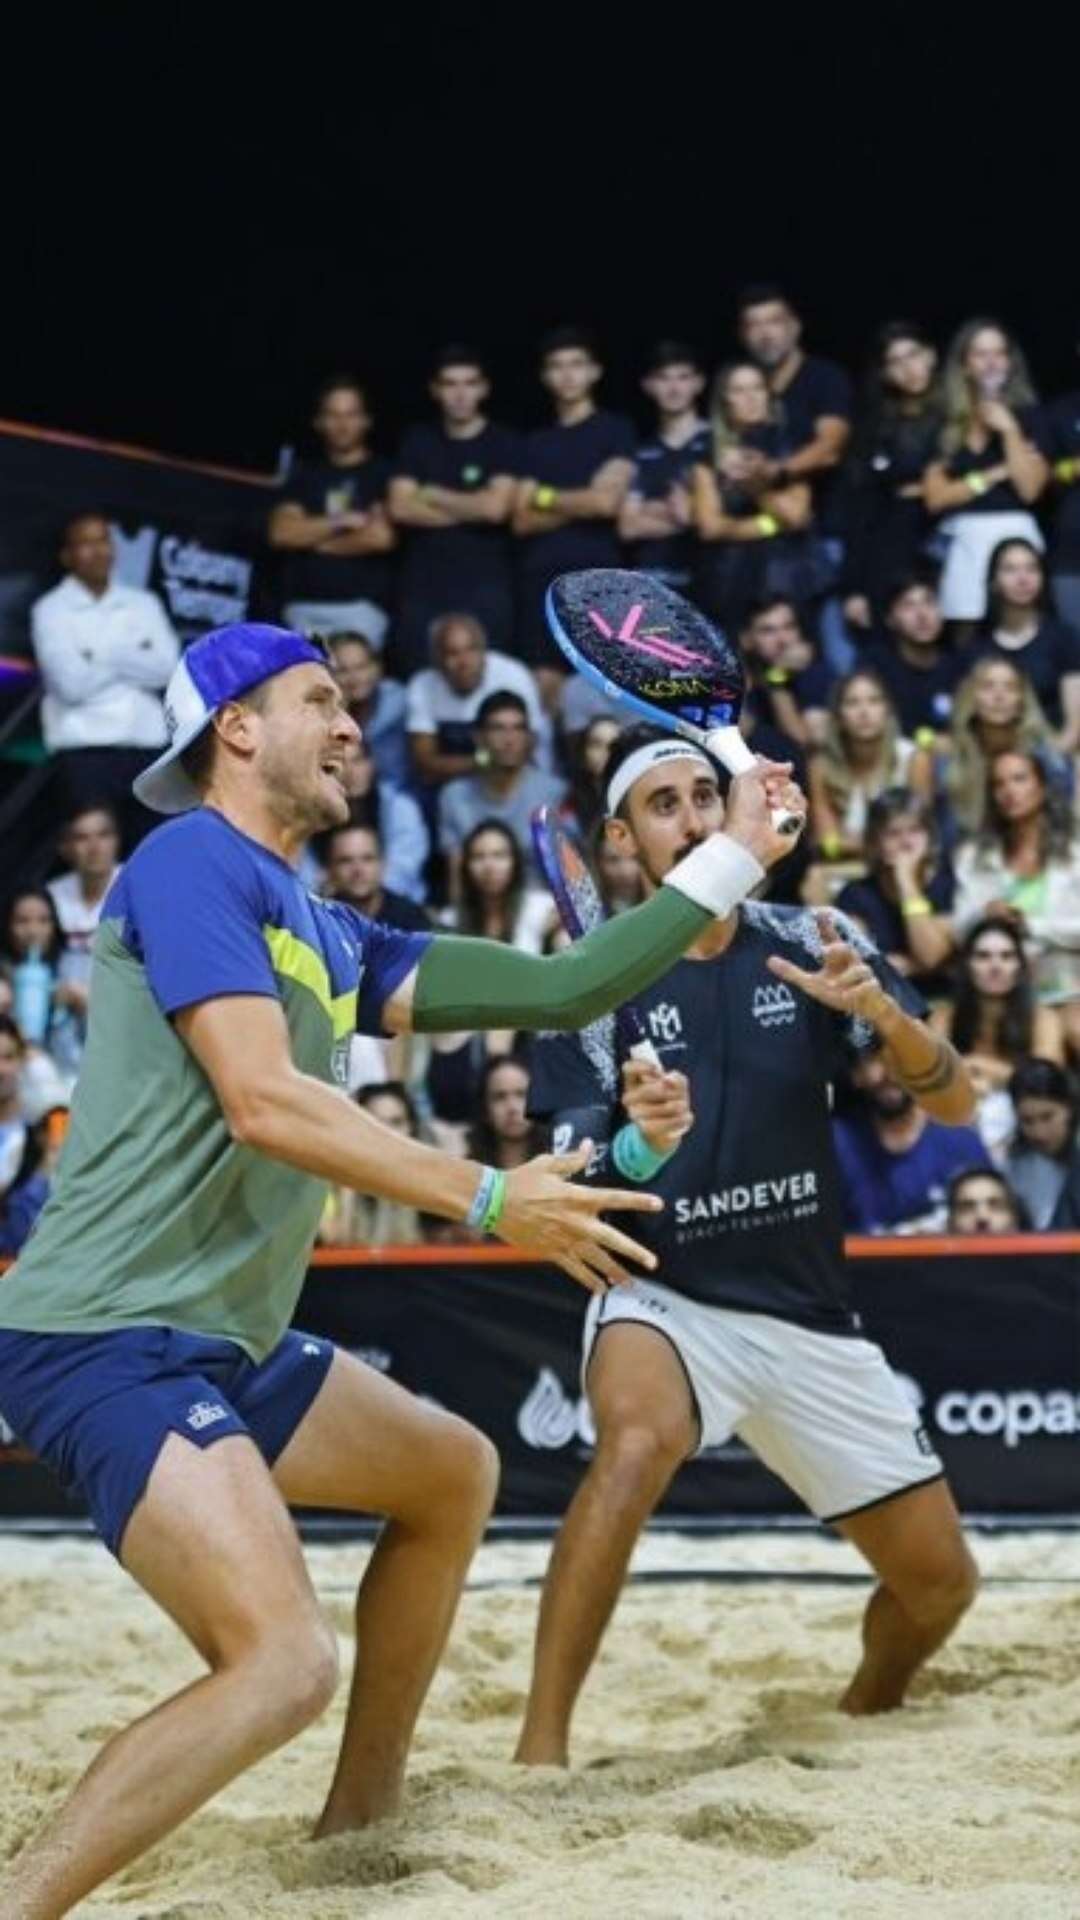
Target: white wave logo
(547, 1417)
(773, 1006)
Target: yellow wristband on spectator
(777, 676)
(544, 498)
(1066, 470)
(830, 845)
(978, 482)
(925, 737)
(916, 909)
(767, 525)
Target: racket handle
(727, 745)
(644, 1050)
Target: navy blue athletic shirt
(753, 1216)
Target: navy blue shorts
(97, 1407)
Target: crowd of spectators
(900, 567)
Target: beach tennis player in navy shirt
(746, 1327)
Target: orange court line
(53, 436)
(857, 1246)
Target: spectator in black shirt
(453, 490)
(1020, 628)
(331, 524)
(896, 436)
(577, 472)
(655, 517)
(815, 395)
(751, 529)
(1061, 423)
(789, 684)
(904, 899)
(919, 669)
(990, 470)
(354, 873)
(815, 399)
(502, 1133)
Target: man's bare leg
(212, 1543)
(928, 1580)
(367, 1445)
(646, 1426)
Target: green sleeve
(476, 984)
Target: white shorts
(824, 1411)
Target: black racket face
(580, 903)
(648, 645)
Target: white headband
(652, 754)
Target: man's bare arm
(242, 1045)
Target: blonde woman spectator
(994, 709)
(1024, 866)
(990, 469)
(863, 753)
(753, 529)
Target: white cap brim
(164, 785)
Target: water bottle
(31, 987)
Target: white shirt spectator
(79, 918)
(103, 659)
(431, 701)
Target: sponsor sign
(987, 1348)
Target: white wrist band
(717, 875)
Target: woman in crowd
(502, 1135)
(496, 903)
(994, 709)
(1024, 866)
(904, 901)
(990, 470)
(356, 1219)
(1045, 1154)
(374, 702)
(754, 533)
(994, 1021)
(862, 754)
(896, 437)
(588, 788)
(1020, 628)
(50, 1011)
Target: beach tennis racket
(564, 866)
(648, 649)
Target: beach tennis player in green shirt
(145, 1344)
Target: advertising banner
(984, 1334)
(190, 533)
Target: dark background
(204, 211)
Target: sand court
(712, 1775)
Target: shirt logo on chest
(773, 1006)
(665, 1023)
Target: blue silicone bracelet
(634, 1157)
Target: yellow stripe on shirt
(293, 959)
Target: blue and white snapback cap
(220, 667)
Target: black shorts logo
(923, 1440)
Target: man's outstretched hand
(845, 981)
